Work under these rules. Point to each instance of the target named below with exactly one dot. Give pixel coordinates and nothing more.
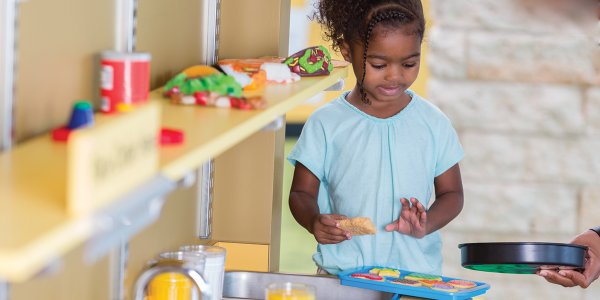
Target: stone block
(592, 101)
(589, 208)
(536, 16)
(447, 56)
(520, 57)
(518, 208)
(515, 158)
(510, 107)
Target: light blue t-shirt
(365, 165)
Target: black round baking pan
(521, 258)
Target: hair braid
(374, 20)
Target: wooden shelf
(34, 225)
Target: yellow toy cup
(175, 286)
(290, 291)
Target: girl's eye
(411, 65)
(379, 67)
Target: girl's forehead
(394, 43)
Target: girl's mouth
(389, 91)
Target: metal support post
(9, 12)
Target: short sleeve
(311, 148)
(449, 150)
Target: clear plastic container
(290, 291)
(175, 286)
(214, 267)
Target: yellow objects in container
(170, 286)
(290, 291)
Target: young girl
(379, 150)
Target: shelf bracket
(127, 216)
(338, 86)
(120, 260)
(206, 174)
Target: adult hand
(326, 231)
(412, 220)
(571, 278)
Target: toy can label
(106, 77)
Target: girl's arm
(304, 208)
(448, 199)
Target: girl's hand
(412, 220)
(326, 231)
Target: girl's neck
(378, 109)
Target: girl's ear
(345, 50)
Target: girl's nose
(394, 74)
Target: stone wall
(520, 81)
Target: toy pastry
(444, 287)
(368, 276)
(419, 276)
(375, 271)
(407, 282)
(311, 61)
(463, 284)
(358, 226)
(429, 283)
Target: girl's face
(393, 61)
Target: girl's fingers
(339, 217)
(334, 231)
(392, 227)
(423, 220)
(328, 221)
(555, 278)
(405, 204)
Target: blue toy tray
(422, 291)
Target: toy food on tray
(429, 283)
(358, 226)
(214, 89)
(463, 284)
(406, 282)
(311, 61)
(368, 276)
(385, 272)
(444, 287)
(420, 276)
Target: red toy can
(124, 80)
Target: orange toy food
(358, 226)
(429, 283)
(200, 70)
(258, 80)
(463, 284)
(339, 63)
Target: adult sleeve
(449, 150)
(311, 148)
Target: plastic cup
(175, 286)
(290, 291)
(214, 267)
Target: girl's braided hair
(352, 21)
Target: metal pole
(125, 26)
(4, 290)
(8, 34)
(121, 260)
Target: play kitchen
(173, 188)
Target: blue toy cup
(82, 116)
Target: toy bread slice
(358, 226)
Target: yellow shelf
(210, 131)
(34, 225)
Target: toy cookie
(389, 273)
(407, 282)
(429, 283)
(368, 276)
(419, 276)
(311, 61)
(444, 287)
(375, 271)
(463, 284)
(358, 226)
